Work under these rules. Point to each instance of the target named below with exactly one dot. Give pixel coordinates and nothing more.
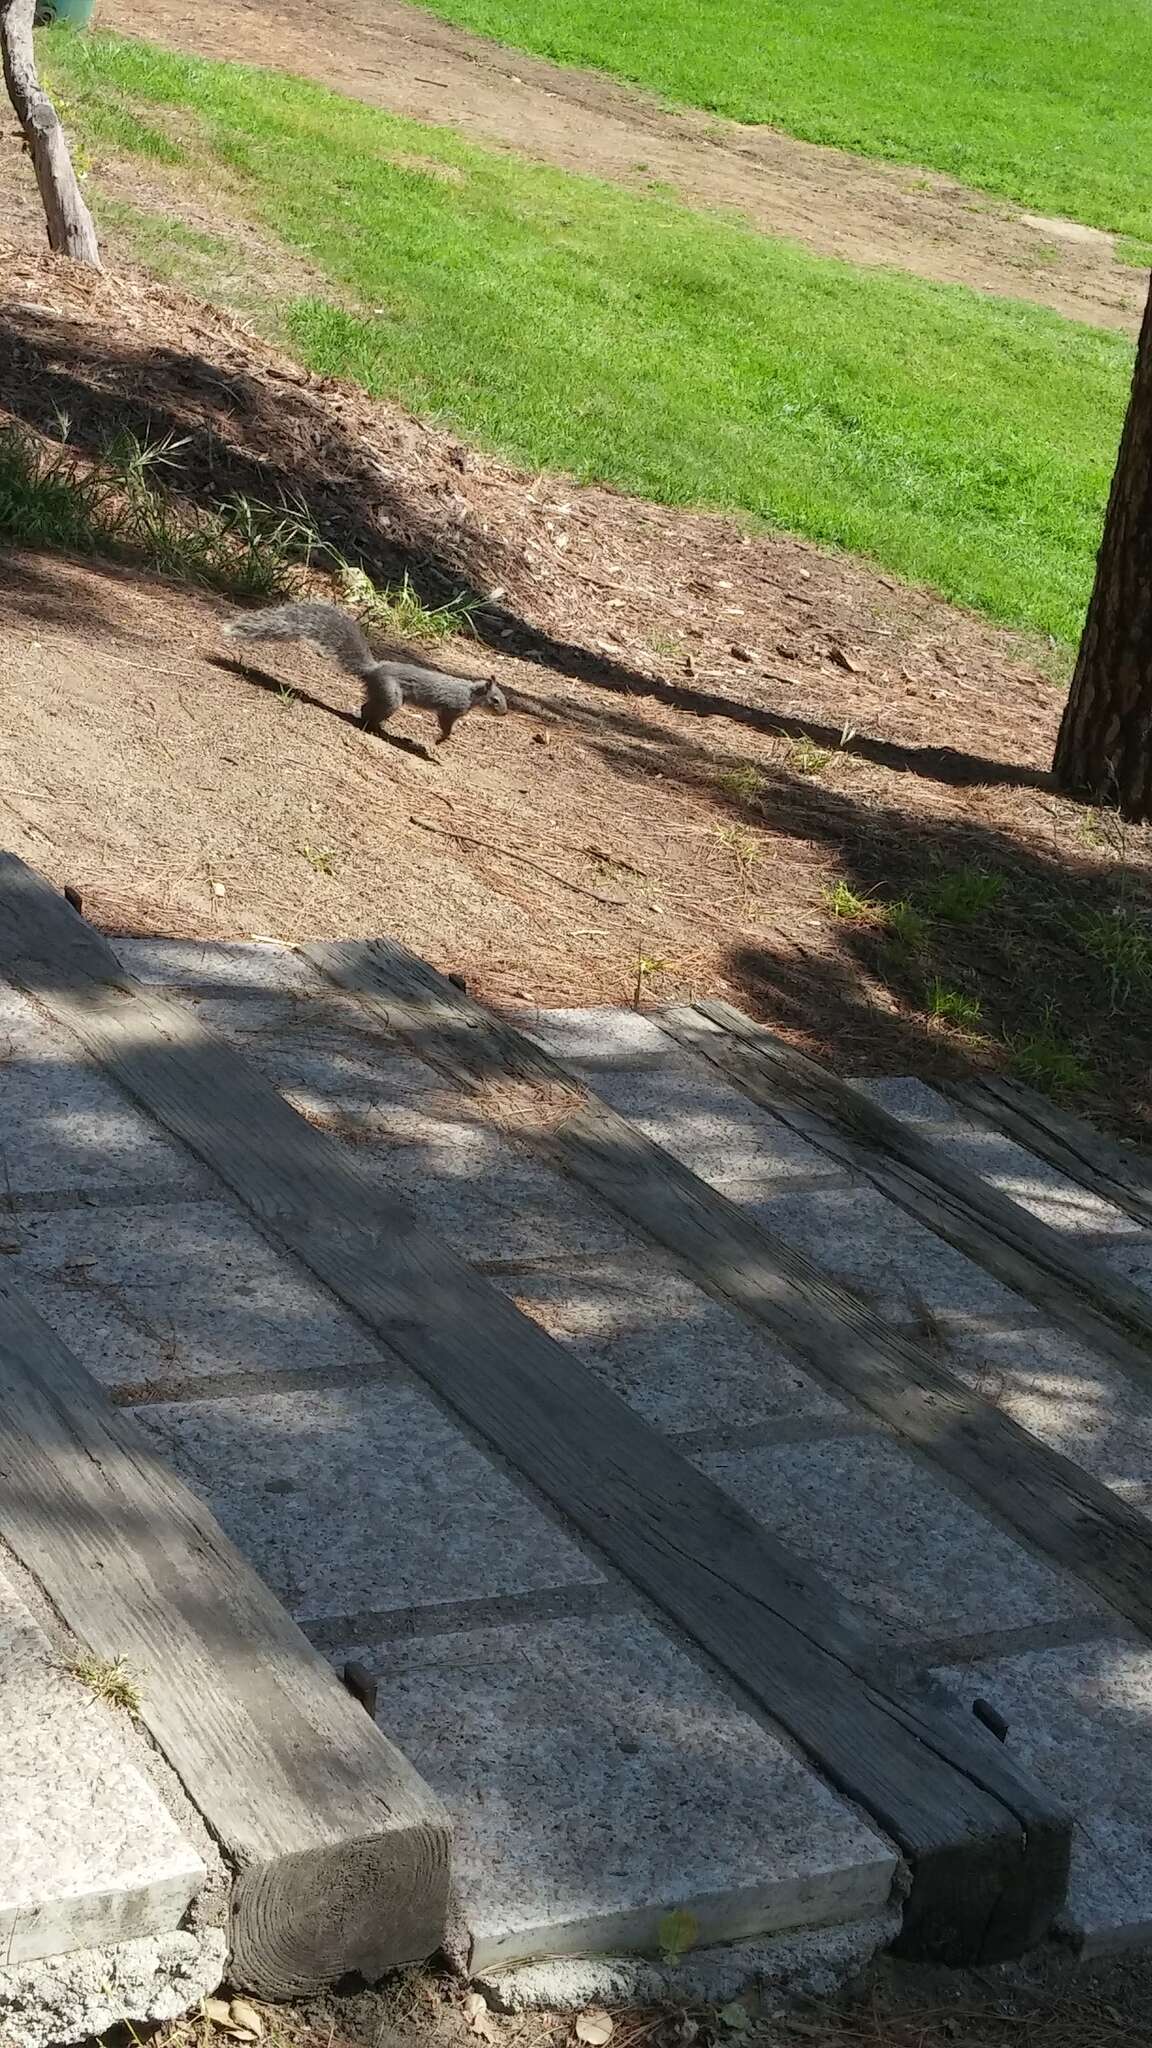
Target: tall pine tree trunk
(70, 228)
(1104, 751)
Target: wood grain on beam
(339, 1848)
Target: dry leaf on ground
(594, 2028)
(478, 2017)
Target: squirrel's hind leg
(382, 697)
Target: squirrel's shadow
(291, 693)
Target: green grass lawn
(963, 441)
(1048, 102)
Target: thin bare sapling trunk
(70, 227)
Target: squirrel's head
(493, 699)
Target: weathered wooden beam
(340, 1851)
(987, 1846)
(1057, 1276)
(1046, 1498)
(1116, 1174)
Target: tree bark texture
(1104, 749)
(70, 227)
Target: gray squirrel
(387, 684)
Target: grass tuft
(962, 895)
(743, 847)
(1122, 940)
(747, 783)
(906, 925)
(401, 611)
(899, 920)
(51, 496)
(1048, 1062)
(952, 1006)
(1133, 253)
(108, 1679)
(844, 901)
(804, 757)
(320, 858)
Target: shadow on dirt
(277, 439)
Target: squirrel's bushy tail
(320, 625)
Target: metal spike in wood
(362, 1686)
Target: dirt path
(711, 730)
(403, 59)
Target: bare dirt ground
(710, 729)
(1049, 2003)
(402, 59)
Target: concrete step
(1078, 1709)
(598, 1776)
(1080, 1715)
(89, 1852)
(1038, 1187)
(80, 1134)
(507, 1659)
(832, 1215)
(1056, 1387)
